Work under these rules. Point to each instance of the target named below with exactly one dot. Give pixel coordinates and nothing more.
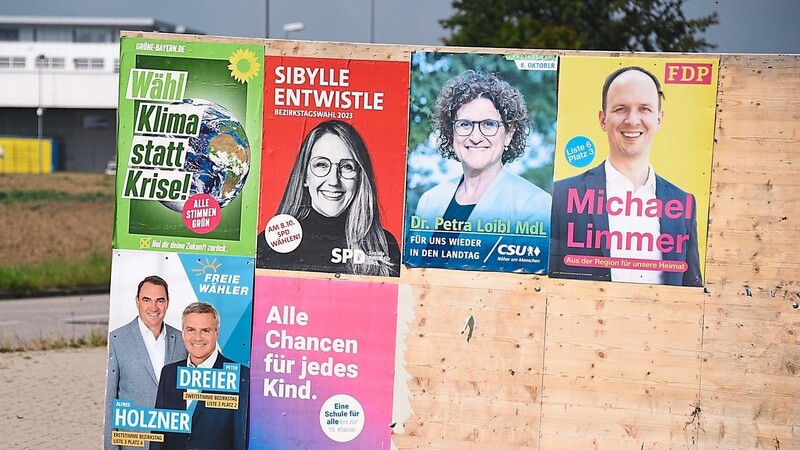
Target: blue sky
(746, 26)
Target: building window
(9, 34)
(92, 35)
(44, 62)
(12, 62)
(88, 63)
(53, 34)
(93, 122)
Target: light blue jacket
(130, 372)
(509, 197)
(508, 231)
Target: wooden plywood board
(561, 364)
(751, 369)
(751, 361)
(622, 370)
(485, 390)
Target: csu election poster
(332, 172)
(323, 364)
(179, 350)
(633, 169)
(480, 161)
(188, 149)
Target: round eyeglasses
(487, 127)
(321, 167)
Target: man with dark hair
(212, 427)
(637, 216)
(139, 350)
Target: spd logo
(687, 73)
(342, 255)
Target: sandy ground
(52, 399)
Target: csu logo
(517, 250)
(687, 73)
(342, 255)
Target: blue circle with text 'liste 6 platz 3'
(579, 151)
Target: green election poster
(188, 146)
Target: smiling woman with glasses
(482, 122)
(332, 193)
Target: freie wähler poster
(332, 169)
(633, 169)
(189, 145)
(323, 373)
(220, 392)
(480, 161)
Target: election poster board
(332, 170)
(481, 200)
(218, 394)
(189, 144)
(324, 354)
(644, 219)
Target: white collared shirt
(156, 347)
(617, 185)
(207, 364)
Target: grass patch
(49, 195)
(93, 271)
(95, 339)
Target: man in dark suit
(212, 428)
(645, 208)
(138, 351)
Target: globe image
(219, 158)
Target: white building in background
(68, 67)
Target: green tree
(628, 25)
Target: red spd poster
(334, 140)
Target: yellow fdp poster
(633, 169)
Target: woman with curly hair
(332, 193)
(483, 123)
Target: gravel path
(52, 399)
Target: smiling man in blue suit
(139, 350)
(620, 221)
(212, 427)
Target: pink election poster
(322, 364)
